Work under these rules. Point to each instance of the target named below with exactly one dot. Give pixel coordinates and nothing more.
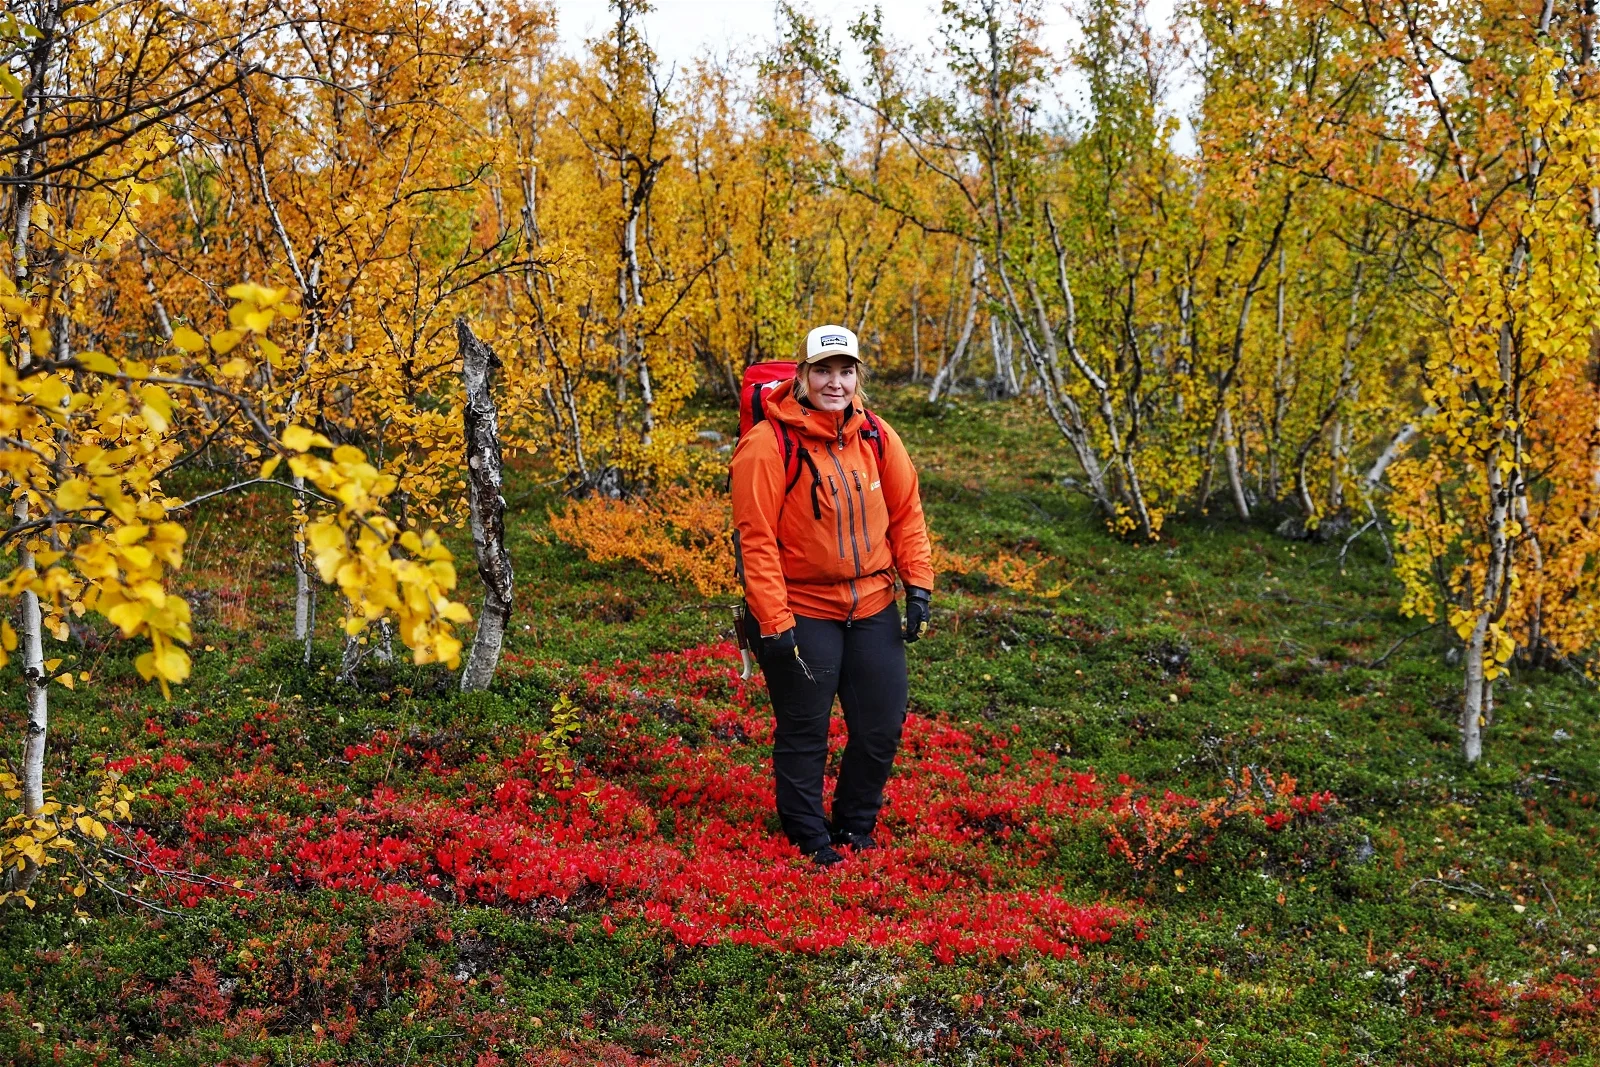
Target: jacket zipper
(855, 550)
(866, 533)
(850, 507)
(838, 516)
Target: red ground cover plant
(669, 821)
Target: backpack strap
(872, 433)
(757, 410)
(790, 461)
(816, 483)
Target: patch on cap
(831, 340)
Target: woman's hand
(782, 645)
(918, 604)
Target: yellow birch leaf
(72, 494)
(226, 341)
(99, 363)
(187, 339)
(271, 350)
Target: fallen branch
(1469, 888)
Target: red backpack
(759, 380)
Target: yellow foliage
(57, 831)
(1497, 517)
(82, 459)
(383, 571)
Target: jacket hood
(783, 406)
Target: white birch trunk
(32, 635)
(916, 339)
(1230, 455)
(1475, 689)
(305, 590)
(488, 508)
(946, 377)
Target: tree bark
(32, 636)
(946, 377)
(38, 698)
(305, 605)
(1391, 453)
(1476, 691)
(1230, 455)
(484, 480)
(916, 339)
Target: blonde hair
(802, 371)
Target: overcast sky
(681, 29)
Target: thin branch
(1375, 664)
(249, 482)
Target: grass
(1436, 914)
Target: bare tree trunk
(647, 414)
(1131, 487)
(354, 652)
(916, 338)
(1230, 454)
(38, 698)
(1476, 691)
(1005, 371)
(304, 606)
(1535, 642)
(484, 480)
(947, 373)
(32, 636)
(383, 650)
(1391, 453)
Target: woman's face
(831, 384)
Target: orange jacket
(824, 546)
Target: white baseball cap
(827, 341)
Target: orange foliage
(1005, 570)
(682, 535)
(686, 537)
(1149, 832)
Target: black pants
(864, 664)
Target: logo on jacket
(874, 485)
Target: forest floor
(1161, 810)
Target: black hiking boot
(825, 856)
(855, 842)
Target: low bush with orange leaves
(684, 535)
(1005, 570)
(1149, 831)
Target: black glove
(781, 645)
(918, 602)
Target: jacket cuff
(921, 577)
(776, 626)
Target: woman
(826, 505)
